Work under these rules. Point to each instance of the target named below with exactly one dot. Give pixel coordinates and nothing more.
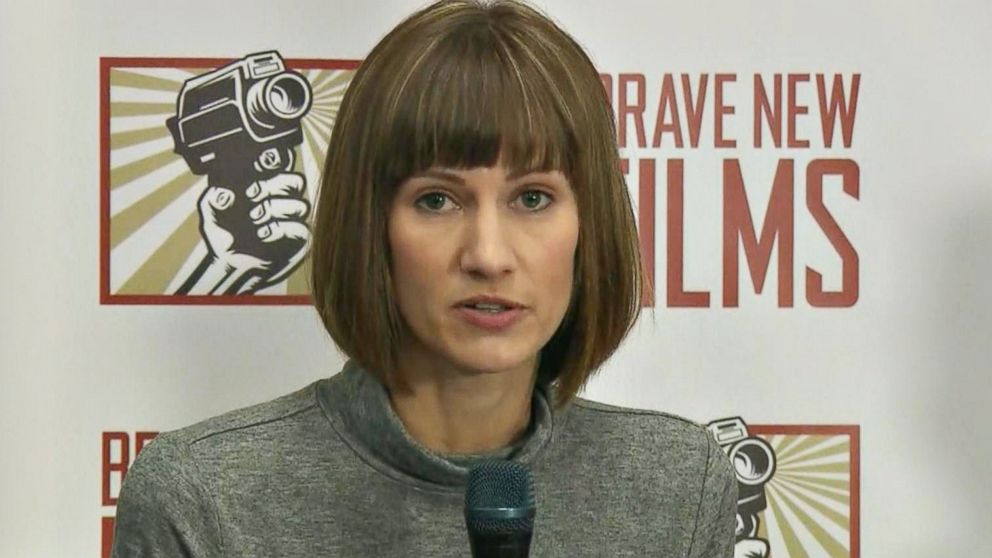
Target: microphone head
(499, 499)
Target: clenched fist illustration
(751, 548)
(255, 237)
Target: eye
(435, 202)
(534, 200)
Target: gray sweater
(330, 471)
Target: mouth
(490, 304)
(490, 313)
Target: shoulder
(663, 442)
(242, 436)
(269, 415)
(639, 426)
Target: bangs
(471, 98)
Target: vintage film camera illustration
(754, 465)
(238, 124)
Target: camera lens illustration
(278, 98)
(754, 461)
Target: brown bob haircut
(464, 84)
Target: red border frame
(851, 430)
(106, 63)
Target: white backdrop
(908, 362)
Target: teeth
(489, 307)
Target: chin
(493, 361)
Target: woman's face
(482, 264)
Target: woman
(475, 255)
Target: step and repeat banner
(812, 188)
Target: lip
(490, 321)
(490, 299)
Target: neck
(455, 411)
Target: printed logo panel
(798, 488)
(208, 172)
(209, 168)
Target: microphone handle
(513, 545)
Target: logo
(798, 488)
(208, 170)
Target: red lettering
(626, 109)
(721, 111)
(677, 295)
(667, 105)
(850, 175)
(738, 224)
(141, 440)
(694, 111)
(795, 109)
(110, 467)
(122, 441)
(771, 112)
(106, 536)
(839, 104)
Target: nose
(486, 248)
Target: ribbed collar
(358, 407)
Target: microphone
(499, 510)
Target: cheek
(415, 267)
(556, 265)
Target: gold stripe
(121, 78)
(314, 118)
(341, 78)
(762, 527)
(839, 449)
(154, 276)
(326, 109)
(325, 118)
(134, 137)
(792, 545)
(123, 224)
(834, 548)
(840, 484)
(824, 468)
(298, 282)
(840, 498)
(297, 163)
(321, 77)
(329, 98)
(128, 108)
(136, 169)
(784, 444)
(836, 517)
(327, 103)
(311, 143)
(330, 92)
(321, 129)
(808, 443)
